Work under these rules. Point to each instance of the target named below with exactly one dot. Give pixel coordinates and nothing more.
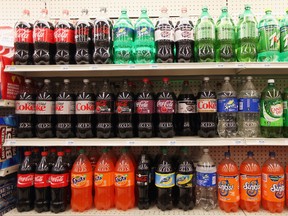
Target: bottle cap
(146, 80)
(46, 81)
(84, 11)
(206, 79)
(81, 151)
(124, 11)
(27, 153)
(164, 10)
(67, 150)
(53, 149)
(205, 150)
(249, 78)
(105, 150)
(271, 81)
(226, 78)
(85, 81)
(26, 11)
(60, 153)
(144, 10)
(44, 11)
(247, 6)
(44, 153)
(250, 154)
(184, 10)
(66, 81)
(272, 154)
(185, 82)
(35, 149)
(165, 79)
(65, 11)
(27, 81)
(268, 10)
(227, 154)
(205, 8)
(103, 9)
(224, 8)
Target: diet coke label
(25, 180)
(144, 106)
(206, 105)
(25, 107)
(165, 106)
(59, 180)
(64, 35)
(45, 107)
(65, 107)
(43, 35)
(23, 35)
(85, 107)
(42, 180)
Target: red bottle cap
(35, 149)
(60, 153)
(146, 80)
(45, 153)
(68, 150)
(165, 79)
(53, 149)
(27, 153)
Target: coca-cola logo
(40, 107)
(39, 178)
(57, 179)
(84, 107)
(207, 105)
(61, 33)
(25, 179)
(59, 107)
(39, 33)
(142, 104)
(167, 103)
(29, 106)
(23, 34)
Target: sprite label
(284, 38)
(271, 113)
(269, 38)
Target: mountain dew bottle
(284, 38)
(123, 34)
(269, 35)
(271, 111)
(205, 38)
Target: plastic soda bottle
(273, 185)
(285, 112)
(228, 184)
(81, 183)
(284, 38)
(286, 185)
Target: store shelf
(8, 170)
(7, 103)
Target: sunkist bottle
(285, 113)
(284, 38)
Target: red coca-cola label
(42, 180)
(206, 105)
(43, 35)
(145, 106)
(45, 107)
(23, 35)
(64, 35)
(59, 180)
(25, 107)
(165, 106)
(85, 107)
(104, 107)
(124, 106)
(25, 180)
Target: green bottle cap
(247, 6)
(81, 151)
(224, 9)
(204, 8)
(268, 10)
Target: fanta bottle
(250, 184)
(273, 185)
(228, 184)
(104, 182)
(81, 183)
(124, 182)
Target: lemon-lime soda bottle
(284, 38)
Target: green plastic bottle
(284, 38)
(285, 113)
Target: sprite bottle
(271, 111)
(205, 38)
(269, 34)
(247, 37)
(284, 38)
(225, 38)
(123, 34)
(285, 114)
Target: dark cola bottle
(25, 111)
(52, 156)
(35, 156)
(207, 109)
(85, 108)
(64, 36)
(23, 40)
(65, 112)
(83, 39)
(43, 38)
(45, 111)
(145, 109)
(102, 38)
(105, 106)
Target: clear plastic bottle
(284, 38)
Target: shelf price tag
(267, 65)
(11, 142)
(94, 67)
(69, 142)
(172, 142)
(241, 65)
(154, 66)
(220, 65)
(260, 142)
(131, 66)
(131, 142)
(65, 67)
(12, 68)
(238, 142)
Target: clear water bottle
(248, 110)
(206, 189)
(227, 106)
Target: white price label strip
(65, 67)
(172, 142)
(261, 142)
(237, 142)
(69, 142)
(131, 142)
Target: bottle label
(65, 107)
(25, 107)
(208, 125)
(228, 188)
(64, 35)
(227, 105)
(205, 31)
(124, 179)
(166, 180)
(124, 106)
(285, 113)
(206, 179)
(269, 38)
(45, 107)
(273, 187)
(25, 180)
(184, 181)
(186, 106)
(82, 32)
(144, 106)
(164, 32)
(184, 32)
(284, 38)
(101, 31)
(104, 179)
(43, 35)
(104, 107)
(42, 180)
(84, 107)
(250, 188)
(248, 105)
(23, 35)
(81, 180)
(248, 30)
(146, 32)
(59, 180)
(206, 105)
(226, 32)
(142, 180)
(271, 113)
(165, 106)
(123, 32)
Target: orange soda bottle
(250, 184)
(228, 184)
(104, 182)
(124, 182)
(81, 183)
(273, 185)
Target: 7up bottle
(284, 38)
(271, 111)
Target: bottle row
(103, 42)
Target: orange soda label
(81, 180)
(228, 188)
(104, 179)
(124, 179)
(250, 187)
(273, 187)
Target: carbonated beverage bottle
(25, 184)
(52, 157)
(64, 36)
(25, 111)
(248, 110)
(269, 34)
(144, 45)
(207, 110)
(123, 36)
(285, 113)
(227, 106)
(225, 38)
(102, 38)
(124, 182)
(284, 38)
(43, 39)
(184, 38)
(206, 188)
(271, 111)
(83, 39)
(35, 156)
(23, 40)
(42, 185)
(250, 184)
(165, 106)
(67, 158)
(228, 184)
(286, 185)
(164, 38)
(273, 185)
(205, 38)
(247, 37)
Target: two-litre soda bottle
(35, 156)
(285, 113)
(284, 38)
(52, 157)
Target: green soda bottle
(271, 111)
(285, 114)
(144, 43)
(247, 37)
(269, 34)
(225, 38)
(205, 38)
(123, 34)
(240, 20)
(284, 38)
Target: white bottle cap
(249, 78)
(226, 78)
(27, 81)
(86, 81)
(206, 79)
(271, 80)
(205, 150)
(66, 81)
(46, 81)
